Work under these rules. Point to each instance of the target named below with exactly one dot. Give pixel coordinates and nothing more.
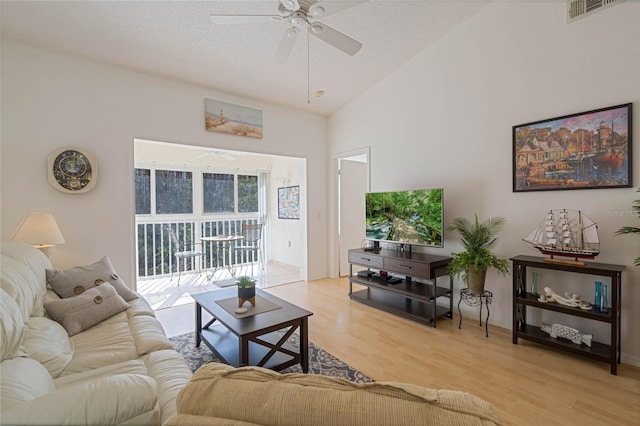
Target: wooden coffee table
(260, 339)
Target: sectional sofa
(106, 360)
(78, 347)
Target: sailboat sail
(566, 233)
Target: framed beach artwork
(233, 119)
(586, 150)
(289, 202)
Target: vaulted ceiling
(177, 39)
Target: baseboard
(631, 360)
(288, 266)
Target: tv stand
(405, 248)
(409, 288)
(372, 250)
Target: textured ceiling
(176, 39)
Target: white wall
(51, 100)
(445, 118)
(291, 248)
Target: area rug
(320, 361)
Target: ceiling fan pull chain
(308, 63)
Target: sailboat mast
(581, 228)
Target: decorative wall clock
(72, 170)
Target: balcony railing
(155, 251)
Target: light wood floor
(164, 292)
(528, 383)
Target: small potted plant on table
(478, 240)
(246, 291)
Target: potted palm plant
(631, 229)
(478, 239)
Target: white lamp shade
(40, 230)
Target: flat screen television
(405, 217)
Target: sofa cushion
(107, 343)
(73, 281)
(148, 334)
(295, 399)
(19, 281)
(12, 327)
(23, 379)
(171, 372)
(78, 313)
(134, 366)
(190, 420)
(140, 306)
(47, 342)
(117, 399)
(35, 259)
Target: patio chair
(185, 249)
(252, 234)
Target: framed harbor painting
(289, 202)
(233, 119)
(586, 150)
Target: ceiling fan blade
(335, 38)
(326, 8)
(286, 45)
(243, 19)
(215, 153)
(291, 5)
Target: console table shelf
(597, 351)
(414, 292)
(529, 299)
(609, 353)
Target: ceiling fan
(301, 14)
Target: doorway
(233, 170)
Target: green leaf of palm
(632, 229)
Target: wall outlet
(289, 244)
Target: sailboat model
(568, 233)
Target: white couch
(123, 370)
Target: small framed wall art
(72, 170)
(289, 202)
(586, 150)
(233, 119)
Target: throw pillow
(73, 281)
(78, 313)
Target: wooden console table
(523, 299)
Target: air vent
(577, 9)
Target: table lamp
(40, 230)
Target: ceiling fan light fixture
(317, 28)
(298, 19)
(292, 32)
(317, 11)
(290, 4)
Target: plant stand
(474, 299)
